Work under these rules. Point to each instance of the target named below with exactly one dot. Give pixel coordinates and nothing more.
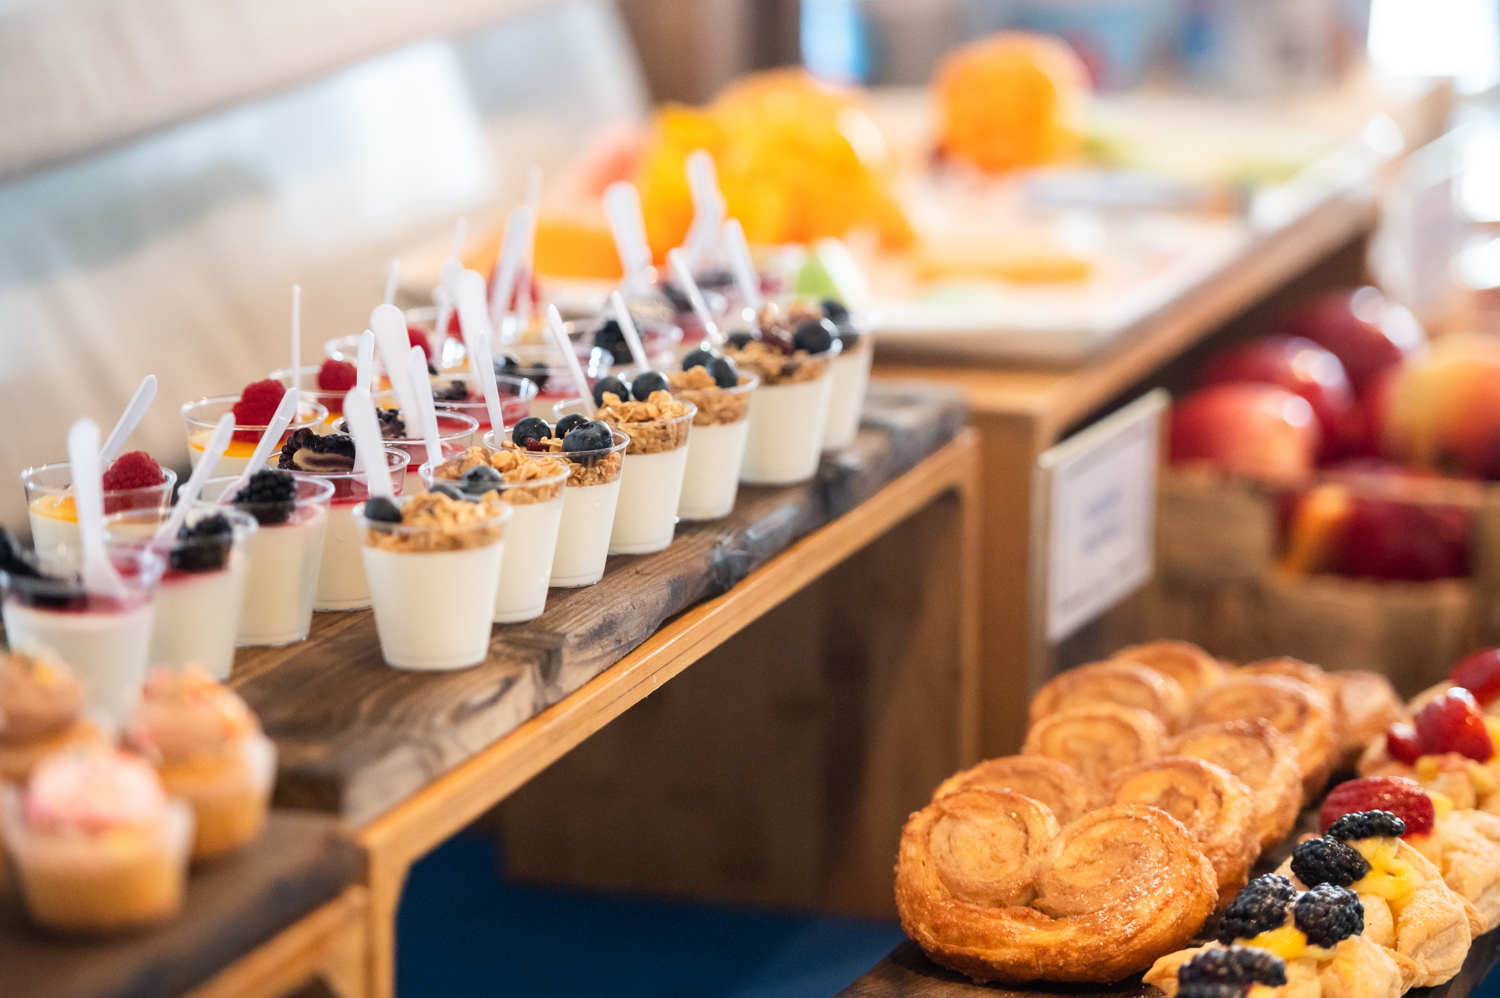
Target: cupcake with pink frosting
(208, 749)
(41, 712)
(97, 844)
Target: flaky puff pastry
(1432, 926)
(1194, 669)
(1356, 967)
(1216, 808)
(1465, 846)
(1097, 740)
(988, 885)
(1370, 705)
(1124, 683)
(1054, 783)
(1292, 707)
(1262, 758)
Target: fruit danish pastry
(1299, 945)
(1262, 758)
(1407, 906)
(1292, 707)
(1124, 683)
(1096, 740)
(1194, 669)
(1463, 844)
(1449, 747)
(1054, 783)
(990, 886)
(1216, 809)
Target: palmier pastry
(1097, 740)
(1194, 669)
(1054, 783)
(1292, 707)
(1216, 808)
(1312, 675)
(1369, 705)
(1262, 758)
(989, 886)
(1125, 683)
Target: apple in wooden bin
(1246, 428)
(1442, 410)
(1362, 537)
(1302, 367)
(1365, 330)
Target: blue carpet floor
(462, 931)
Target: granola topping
(776, 367)
(447, 524)
(516, 468)
(586, 469)
(715, 407)
(653, 426)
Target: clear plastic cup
(341, 571)
(383, 397)
(201, 417)
(199, 598)
(54, 520)
(515, 397)
(588, 514)
(105, 638)
(530, 542)
(711, 480)
(650, 484)
(455, 434)
(787, 421)
(660, 340)
(851, 378)
(282, 577)
(432, 607)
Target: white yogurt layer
(197, 617)
(107, 649)
(786, 432)
(433, 608)
(647, 514)
(282, 579)
(530, 541)
(712, 477)
(583, 536)
(56, 542)
(341, 570)
(851, 377)
(226, 466)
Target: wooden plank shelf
(300, 866)
(357, 737)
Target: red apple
(1258, 430)
(1300, 366)
(1404, 541)
(1364, 330)
(1443, 408)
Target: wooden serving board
(233, 906)
(356, 737)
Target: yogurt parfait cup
(384, 397)
(716, 445)
(54, 520)
(105, 638)
(281, 579)
(533, 484)
(199, 598)
(602, 351)
(455, 433)
(202, 415)
(651, 482)
(460, 392)
(851, 378)
(433, 579)
(590, 499)
(341, 570)
(788, 413)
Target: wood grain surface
(357, 737)
(297, 866)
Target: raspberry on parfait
(253, 410)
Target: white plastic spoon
(145, 394)
(88, 497)
(297, 337)
(528, 260)
(628, 330)
(188, 494)
(359, 411)
(416, 370)
(695, 297)
(742, 265)
(364, 368)
(285, 412)
(702, 241)
(622, 206)
(392, 276)
(560, 337)
(473, 321)
(512, 254)
(389, 326)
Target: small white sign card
(1097, 490)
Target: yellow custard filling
(1389, 877)
(1287, 942)
(56, 508)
